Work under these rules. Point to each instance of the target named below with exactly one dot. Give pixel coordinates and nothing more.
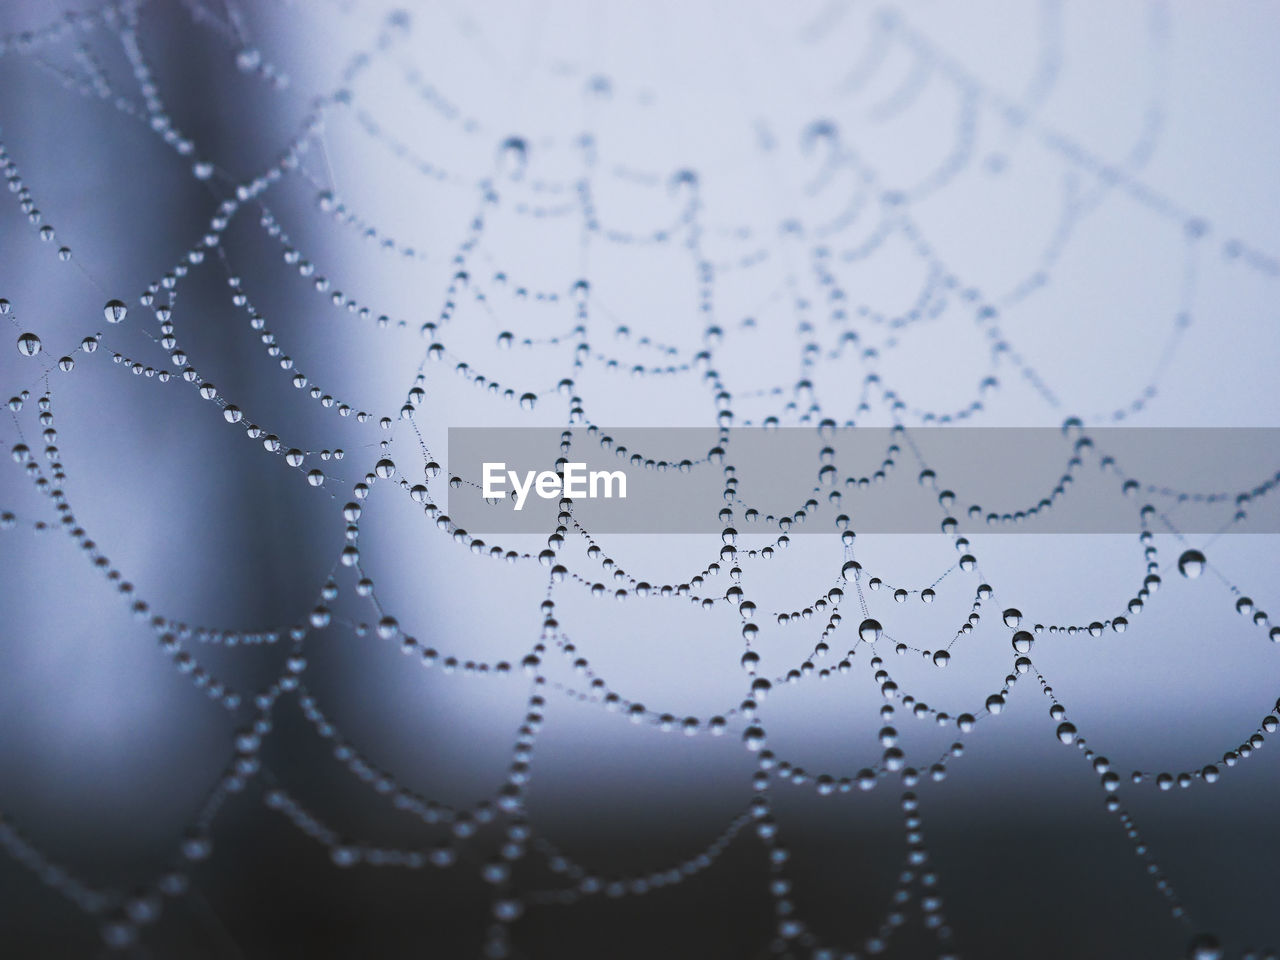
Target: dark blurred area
(356, 147)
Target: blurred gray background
(1101, 173)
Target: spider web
(404, 262)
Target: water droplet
(1012, 617)
(344, 855)
(682, 183)
(1023, 641)
(1191, 564)
(28, 344)
(513, 156)
(527, 401)
(115, 311)
(1067, 732)
(870, 630)
(819, 132)
(385, 468)
(196, 846)
(1204, 946)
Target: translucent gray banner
(870, 480)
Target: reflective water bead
(1204, 946)
(28, 344)
(115, 311)
(513, 155)
(1191, 564)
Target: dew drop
(869, 630)
(1191, 564)
(28, 344)
(1204, 946)
(513, 155)
(115, 311)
